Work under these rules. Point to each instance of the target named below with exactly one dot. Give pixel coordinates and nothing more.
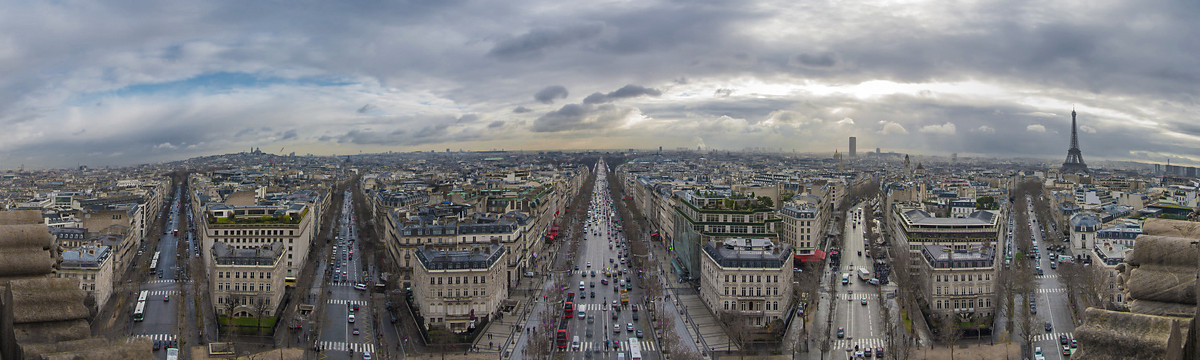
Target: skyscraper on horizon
(1074, 163)
(853, 145)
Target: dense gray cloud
(933, 77)
(533, 43)
(628, 91)
(821, 60)
(581, 117)
(550, 93)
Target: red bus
(569, 306)
(560, 337)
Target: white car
(350, 318)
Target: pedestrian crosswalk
(161, 281)
(862, 343)
(588, 346)
(163, 292)
(348, 302)
(1051, 336)
(591, 307)
(848, 296)
(158, 337)
(343, 346)
(1050, 290)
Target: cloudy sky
(115, 83)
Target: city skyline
(101, 84)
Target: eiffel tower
(1074, 163)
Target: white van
(575, 343)
(845, 279)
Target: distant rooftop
(977, 218)
(85, 257)
(477, 258)
(1112, 253)
(1085, 221)
(945, 257)
(265, 255)
(749, 253)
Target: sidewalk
(502, 332)
(695, 325)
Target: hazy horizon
(101, 84)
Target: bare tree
(891, 335)
(827, 345)
(443, 338)
(262, 304)
(1028, 321)
(806, 291)
(668, 338)
(1071, 276)
(1005, 292)
(231, 303)
(686, 354)
(950, 332)
(907, 295)
(738, 327)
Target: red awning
(817, 255)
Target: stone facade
(93, 266)
(247, 280)
(454, 289)
(748, 277)
(959, 282)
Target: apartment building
(455, 288)
(1084, 226)
(250, 227)
(69, 238)
(93, 266)
(704, 216)
(914, 228)
(247, 281)
(120, 222)
(750, 277)
(959, 280)
(802, 227)
(452, 227)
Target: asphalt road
(337, 339)
(1050, 298)
(862, 323)
(604, 248)
(161, 322)
(600, 230)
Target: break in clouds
(113, 84)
